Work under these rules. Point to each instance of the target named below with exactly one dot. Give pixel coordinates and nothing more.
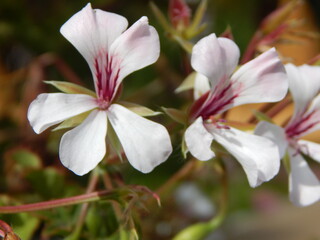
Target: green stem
(84, 198)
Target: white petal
(261, 80)
(83, 147)
(304, 186)
(201, 85)
(49, 109)
(258, 156)
(198, 140)
(145, 143)
(304, 84)
(274, 133)
(310, 148)
(216, 58)
(136, 48)
(92, 31)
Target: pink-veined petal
(136, 48)
(263, 79)
(304, 186)
(304, 84)
(310, 148)
(145, 143)
(82, 148)
(314, 113)
(258, 156)
(305, 122)
(49, 109)
(92, 31)
(216, 58)
(198, 140)
(201, 85)
(274, 133)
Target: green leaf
(286, 162)
(161, 18)
(47, 182)
(24, 225)
(261, 116)
(186, 45)
(30, 224)
(140, 110)
(25, 158)
(72, 122)
(177, 115)
(184, 148)
(187, 84)
(101, 220)
(198, 16)
(114, 141)
(195, 232)
(71, 88)
(125, 234)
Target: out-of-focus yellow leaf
(71, 88)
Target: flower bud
(179, 14)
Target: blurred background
(32, 50)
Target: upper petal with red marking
(92, 31)
(263, 79)
(216, 58)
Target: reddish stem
(249, 53)
(89, 197)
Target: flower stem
(94, 177)
(84, 198)
(184, 171)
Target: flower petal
(304, 85)
(52, 108)
(258, 156)
(92, 31)
(305, 121)
(83, 147)
(261, 80)
(145, 143)
(304, 186)
(198, 140)
(274, 133)
(201, 85)
(311, 149)
(136, 48)
(216, 58)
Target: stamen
(103, 104)
(107, 77)
(218, 123)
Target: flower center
(301, 126)
(103, 104)
(213, 103)
(107, 74)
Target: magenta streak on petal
(106, 82)
(213, 102)
(303, 125)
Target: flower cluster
(112, 53)
(304, 85)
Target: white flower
(112, 53)
(260, 80)
(304, 85)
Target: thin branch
(84, 198)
